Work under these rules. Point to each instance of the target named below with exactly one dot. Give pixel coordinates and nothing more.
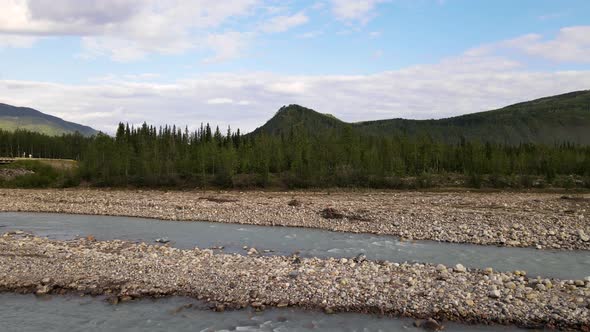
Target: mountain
(12, 118)
(547, 120)
(294, 116)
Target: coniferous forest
(176, 157)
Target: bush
(425, 180)
(498, 181)
(44, 176)
(526, 181)
(475, 181)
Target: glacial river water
(308, 242)
(69, 313)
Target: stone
(253, 294)
(360, 258)
(430, 325)
(42, 290)
(583, 236)
(460, 268)
(162, 240)
(540, 287)
(441, 268)
(494, 294)
(252, 251)
(510, 285)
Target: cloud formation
(122, 29)
(571, 44)
(355, 10)
(283, 23)
(454, 86)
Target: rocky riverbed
(126, 271)
(542, 220)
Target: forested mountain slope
(12, 118)
(556, 119)
(295, 117)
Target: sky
(236, 62)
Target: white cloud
(572, 44)
(284, 22)
(227, 45)
(16, 41)
(122, 29)
(220, 101)
(374, 34)
(355, 10)
(227, 101)
(454, 86)
(310, 34)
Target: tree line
(173, 156)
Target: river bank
(541, 220)
(126, 271)
(306, 242)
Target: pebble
(441, 268)
(127, 271)
(510, 285)
(494, 293)
(448, 217)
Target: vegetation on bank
(171, 157)
(37, 175)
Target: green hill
(298, 117)
(547, 120)
(12, 118)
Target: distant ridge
(548, 120)
(12, 118)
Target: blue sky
(236, 62)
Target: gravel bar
(125, 271)
(541, 220)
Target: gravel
(125, 271)
(540, 220)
